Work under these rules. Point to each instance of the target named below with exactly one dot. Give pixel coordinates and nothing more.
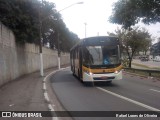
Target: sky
(95, 14)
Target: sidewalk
(24, 94)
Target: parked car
(144, 58)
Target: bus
(96, 59)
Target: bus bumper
(101, 77)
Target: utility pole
(40, 40)
(59, 64)
(85, 27)
(59, 52)
(97, 33)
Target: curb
(46, 94)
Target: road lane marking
(44, 86)
(130, 100)
(155, 90)
(50, 107)
(46, 96)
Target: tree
(123, 14)
(148, 10)
(133, 41)
(66, 38)
(23, 18)
(128, 12)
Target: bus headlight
(117, 71)
(89, 73)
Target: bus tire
(109, 82)
(73, 74)
(79, 77)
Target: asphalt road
(133, 93)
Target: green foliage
(23, 21)
(23, 18)
(129, 12)
(149, 10)
(124, 14)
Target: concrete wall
(17, 60)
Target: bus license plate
(104, 77)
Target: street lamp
(59, 64)
(41, 38)
(70, 6)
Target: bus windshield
(101, 55)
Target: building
(155, 49)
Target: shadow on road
(105, 84)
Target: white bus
(97, 59)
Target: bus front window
(100, 55)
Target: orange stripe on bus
(85, 69)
